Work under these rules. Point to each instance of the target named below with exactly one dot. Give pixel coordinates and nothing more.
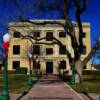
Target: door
(49, 67)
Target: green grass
(17, 83)
(89, 84)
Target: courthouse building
(50, 57)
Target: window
(36, 34)
(0, 66)
(16, 34)
(62, 50)
(84, 50)
(16, 49)
(16, 64)
(36, 65)
(49, 36)
(36, 49)
(62, 64)
(49, 51)
(62, 34)
(84, 67)
(84, 34)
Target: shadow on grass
(23, 94)
(86, 94)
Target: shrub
(91, 72)
(21, 70)
(9, 72)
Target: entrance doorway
(49, 67)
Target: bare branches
(93, 51)
(80, 9)
(55, 41)
(43, 23)
(63, 7)
(19, 6)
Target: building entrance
(49, 67)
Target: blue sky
(92, 14)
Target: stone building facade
(50, 57)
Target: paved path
(50, 87)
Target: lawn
(17, 83)
(89, 84)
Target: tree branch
(92, 52)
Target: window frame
(37, 52)
(84, 52)
(16, 52)
(62, 51)
(50, 52)
(34, 35)
(48, 36)
(62, 34)
(18, 62)
(16, 36)
(62, 64)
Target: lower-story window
(36, 65)
(85, 67)
(16, 64)
(62, 64)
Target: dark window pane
(36, 49)
(62, 34)
(84, 50)
(16, 49)
(36, 65)
(84, 35)
(16, 34)
(62, 50)
(0, 66)
(49, 51)
(36, 34)
(16, 64)
(62, 64)
(84, 67)
(49, 36)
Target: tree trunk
(78, 71)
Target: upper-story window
(62, 34)
(16, 49)
(16, 34)
(36, 49)
(62, 50)
(49, 36)
(36, 34)
(49, 51)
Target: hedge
(91, 72)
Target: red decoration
(6, 45)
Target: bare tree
(63, 7)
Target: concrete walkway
(50, 87)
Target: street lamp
(4, 92)
(72, 79)
(30, 81)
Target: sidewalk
(50, 87)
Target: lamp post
(4, 92)
(72, 79)
(30, 81)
